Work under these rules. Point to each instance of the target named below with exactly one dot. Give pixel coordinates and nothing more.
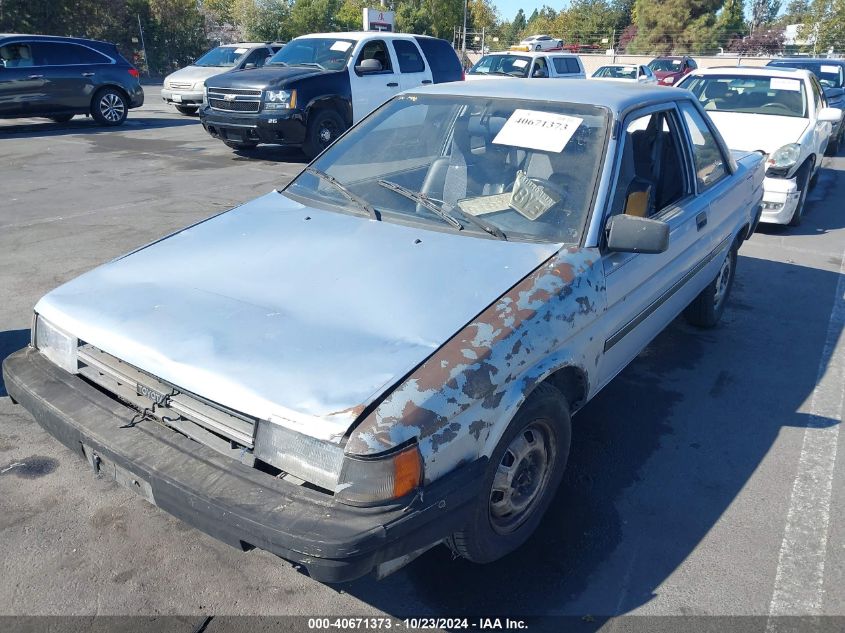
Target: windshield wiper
(444, 210)
(366, 206)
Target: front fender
(463, 396)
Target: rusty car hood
(284, 311)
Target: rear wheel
(706, 309)
(61, 118)
(324, 127)
(187, 109)
(522, 476)
(109, 106)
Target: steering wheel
(778, 106)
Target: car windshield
(513, 65)
(617, 72)
(223, 56)
(778, 96)
(327, 53)
(665, 65)
(496, 168)
(830, 75)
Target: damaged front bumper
(780, 196)
(232, 502)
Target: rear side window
(64, 54)
(710, 165)
(409, 57)
(566, 65)
(442, 58)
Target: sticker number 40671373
(544, 131)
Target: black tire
(109, 106)
(806, 183)
(707, 308)
(537, 48)
(491, 533)
(324, 126)
(240, 144)
(60, 118)
(189, 110)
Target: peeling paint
(443, 402)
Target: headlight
(204, 94)
(56, 345)
(784, 158)
(365, 481)
(354, 480)
(279, 99)
(200, 85)
(668, 80)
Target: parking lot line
(799, 580)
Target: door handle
(701, 220)
(36, 77)
(392, 84)
(426, 81)
(87, 74)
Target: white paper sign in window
(241, 51)
(532, 129)
(826, 68)
(520, 63)
(778, 83)
(341, 46)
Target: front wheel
(706, 309)
(189, 110)
(109, 107)
(324, 127)
(805, 184)
(522, 477)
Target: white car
(780, 112)
(527, 66)
(539, 43)
(185, 87)
(625, 72)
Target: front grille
(234, 106)
(193, 416)
(180, 85)
(235, 91)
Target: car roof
(533, 53)
(57, 38)
(803, 60)
(359, 35)
(244, 44)
(757, 71)
(616, 97)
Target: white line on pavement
(799, 581)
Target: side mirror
(833, 115)
(249, 65)
(631, 234)
(369, 66)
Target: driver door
(372, 88)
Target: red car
(669, 70)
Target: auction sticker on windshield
(544, 131)
(829, 69)
(341, 46)
(777, 83)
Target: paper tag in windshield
(830, 69)
(240, 51)
(341, 46)
(778, 83)
(542, 131)
(519, 63)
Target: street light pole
(464, 36)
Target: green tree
(314, 16)
(263, 20)
(731, 20)
(797, 12)
(826, 25)
(675, 26)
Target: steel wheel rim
(327, 133)
(522, 477)
(111, 107)
(722, 281)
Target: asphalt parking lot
(703, 481)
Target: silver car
(385, 355)
(185, 87)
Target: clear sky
(508, 8)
